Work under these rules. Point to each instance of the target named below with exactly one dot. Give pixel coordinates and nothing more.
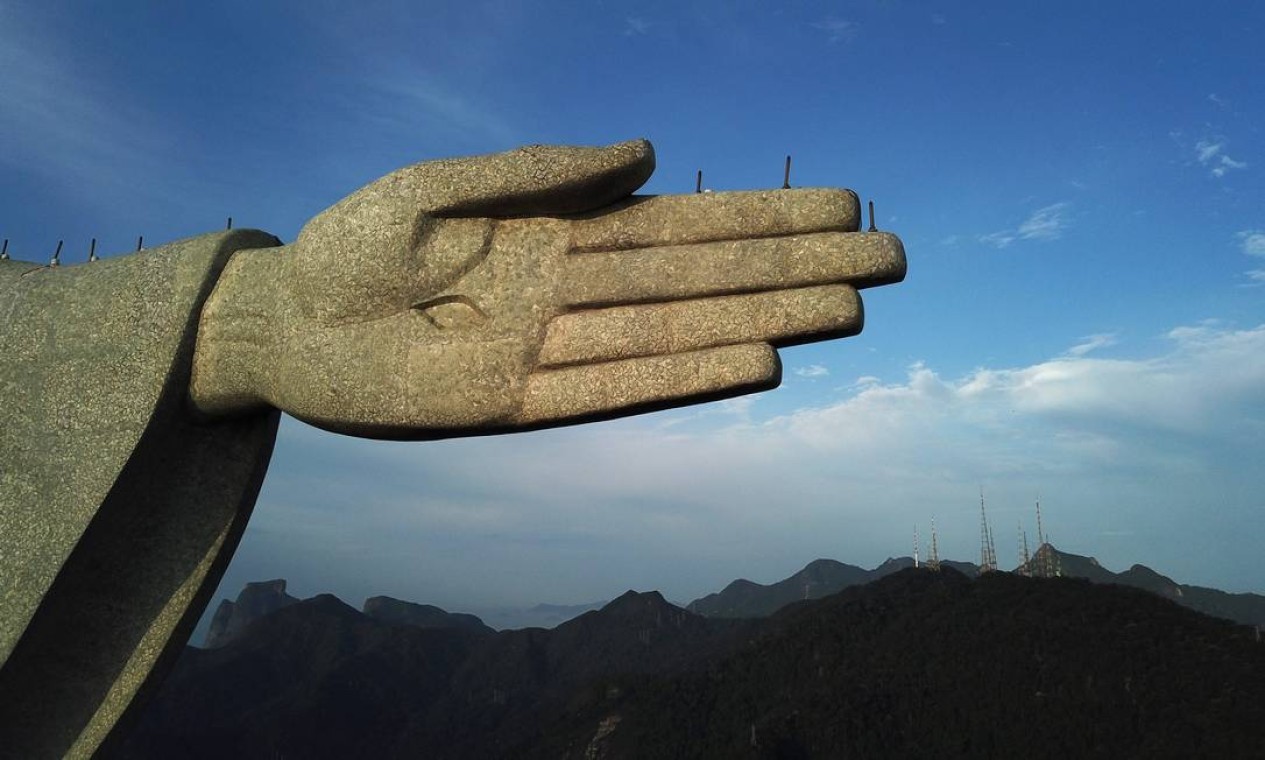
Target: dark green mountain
(820, 578)
(923, 664)
(394, 611)
(1242, 608)
(823, 577)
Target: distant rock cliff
(255, 601)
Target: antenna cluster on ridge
(1043, 563)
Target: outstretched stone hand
(527, 289)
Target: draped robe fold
(119, 506)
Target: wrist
(235, 350)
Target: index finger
(662, 220)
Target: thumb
(530, 181)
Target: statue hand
(531, 288)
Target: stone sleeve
(119, 507)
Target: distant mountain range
(917, 663)
(743, 598)
(824, 577)
(820, 578)
(263, 598)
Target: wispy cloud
(389, 92)
(998, 239)
(415, 100)
(1211, 155)
(62, 121)
(837, 30)
(1252, 243)
(1217, 99)
(1046, 223)
(1092, 343)
(812, 370)
(634, 26)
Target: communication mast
(933, 560)
(915, 545)
(1040, 532)
(988, 554)
(1048, 565)
(1024, 557)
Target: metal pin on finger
(786, 175)
(92, 252)
(56, 260)
(872, 227)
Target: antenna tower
(1040, 531)
(987, 554)
(1047, 562)
(915, 545)
(933, 560)
(1024, 557)
(992, 548)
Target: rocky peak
(255, 600)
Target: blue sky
(1078, 185)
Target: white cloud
(1217, 99)
(1046, 223)
(1211, 154)
(1092, 343)
(634, 26)
(1205, 151)
(837, 30)
(1253, 242)
(1226, 164)
(1154, 444)
(997, 239)
(812, 370)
